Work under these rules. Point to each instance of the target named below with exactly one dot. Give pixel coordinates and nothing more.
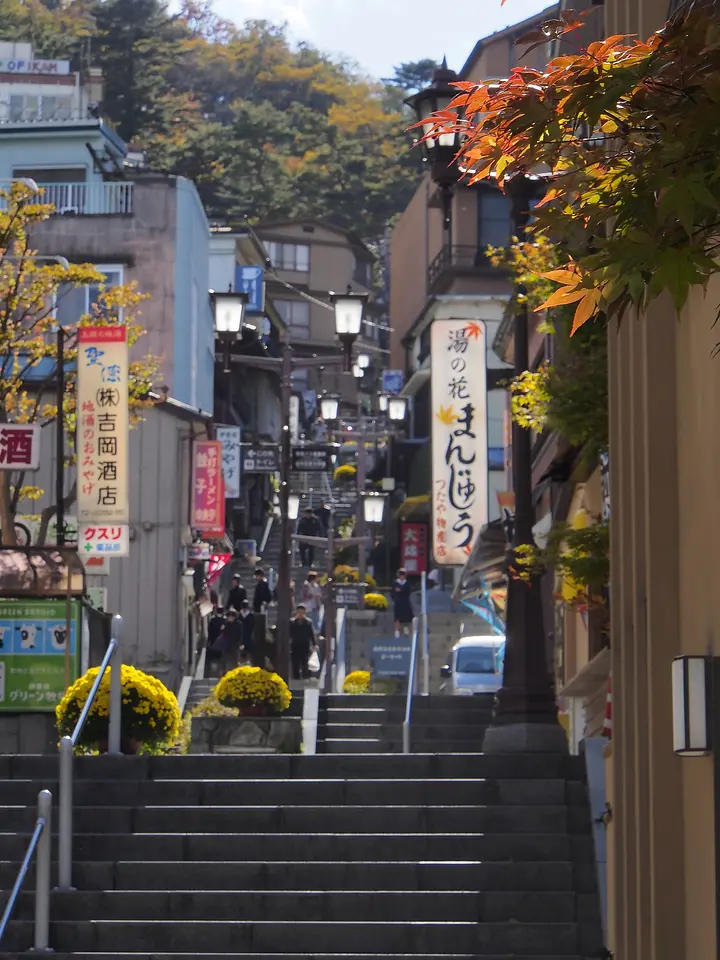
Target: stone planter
(369, 616)
(278, 734)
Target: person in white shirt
(312, 595)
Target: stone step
(319, 905)
(317, 846)
(300, 792)
(500, 876)
(481, 717)
(276, 935)
(278, 766)
(304, 819)
(156, 955)
(393, 731)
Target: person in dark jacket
(237, 595)
(246, 620)
(309, 526)
(403, 604)
(215, 627)
(229, 642)
(302, 643)
(323, 516)
(262, 591)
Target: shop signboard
(311, 459)
(103, 425)
(98, 540)
(229, 437)
(251, 280)
(413, 547)
(33, 637)
(393, 381)
(459, 437)
(20, 446)
(207, 502)
(349, 595)
(391, 657)
(261, 459)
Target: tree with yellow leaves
(30, 288)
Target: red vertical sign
(413, 547)
(208, 502)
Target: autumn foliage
(628, 132)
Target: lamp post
(526, 716)
(441, 150)
(329, 407)
(349, 309)
(229, 319)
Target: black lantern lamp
(349, 311)
(441, 150)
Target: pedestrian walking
(262, 591)
(309, 526)
(323, 515)
(403, 610)
(302, 643)
(246, 621)
(312, 597)
(237, 595)
(229, 643)
(213, 654)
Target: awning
(486, 566)
(40, 572)
(587, 680)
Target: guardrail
(89, 199)
(339, 662)
(41, 841)
(112, 656)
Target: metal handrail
(425, 636)
(266, 534)
(41, 841)
(339, 663)
(411, 687)
(68, 744)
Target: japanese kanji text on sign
(102, 433)
(459, 437)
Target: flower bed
(376, 601)
(357, 682)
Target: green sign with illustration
(33, 639)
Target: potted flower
(150, 715)
(344, 473)
(253, 691)
(357, 682)
(376, 601)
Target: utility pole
(360, 509)
(284, 612)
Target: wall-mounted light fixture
(691, 701)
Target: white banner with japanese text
(459, 437)
(103, 425)
(229, 437)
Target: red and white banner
(207, 499)
(102, 426)
(413, 547)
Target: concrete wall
(194, 325)
(59, 146)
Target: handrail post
(65, 825)
(115, 711)
(42, 873)
(425, 638)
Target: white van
(475, 666)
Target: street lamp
(373, 507)
(358, 371)
(383, 399)
(293, 508)
(441, 150)
(363, 360)
(397, 408)
(229, 317)
(329, 407)
(349, 310)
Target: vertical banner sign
(413, 547)
(208, 504)
(459, 437)
(294, 418)
(102, 434)
(229, 437)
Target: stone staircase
(372, 723)
(433, 856)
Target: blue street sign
(392, 381)
(391, 657)
(252, 281)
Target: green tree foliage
(414, 75)
(265, 129)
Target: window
(72, 302)
(289, 256)
(299, 380)
(42, 175)
(362, 273)
(296, 314)
(494, 225)
(28, 107)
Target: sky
(378, 34)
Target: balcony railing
(456, 258)
(89, 199)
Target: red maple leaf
(473, 331)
